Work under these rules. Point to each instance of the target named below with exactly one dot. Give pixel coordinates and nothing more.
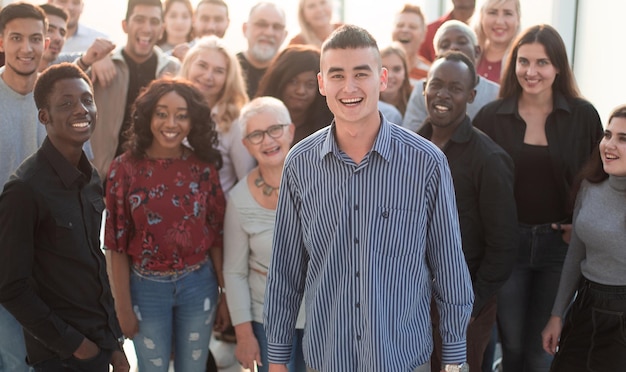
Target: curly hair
(44, 85)
(202, 137)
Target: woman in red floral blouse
(163, 232)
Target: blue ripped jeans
(174, 308)
(525, 301)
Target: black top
(573, 130)
(482, 174)
(533, 172)
(139, 76)
(251, 74)
(53, 275)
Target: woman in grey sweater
(592, 336)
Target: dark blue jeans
(525, 301)
(99, 363)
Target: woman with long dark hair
(292, 78)
(592, 336)
(163, 232)
(549, 130)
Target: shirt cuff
(278, 353)
(454, 353)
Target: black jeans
(594, 332)
(99, 363)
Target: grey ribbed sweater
(597, 249)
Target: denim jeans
(525, 301)
(174, 308)
(99, 363)
(12, 348)
(593, 337)
(296, 363)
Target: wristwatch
(463, 367)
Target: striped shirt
(367, 245)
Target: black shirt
(482, 174)
(573, 130)
(251, 74)
(139, 76)
(53, 275)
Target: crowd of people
(329, 204)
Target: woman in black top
(549, 131)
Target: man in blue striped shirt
(366, 232)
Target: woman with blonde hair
(398, 84)
(216, 72)
(496, 24)
(314, 17)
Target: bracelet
(221, 290)
(82, 63)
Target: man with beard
(22, 40)
(79, 36)
(265, 32)
(136, 64)
(57, 31)
(482, 174)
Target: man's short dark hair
(21, 10)
(456, 56)
(133, 3)
(45, 82)
(349, 37)
(215, 2)
(54, 10)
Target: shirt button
(358, 305)
(358, 337)
(356, 207)
(358, 274)
(385, 214)
(356, 240)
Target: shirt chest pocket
(64, 232)
(395, 232)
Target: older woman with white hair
(267, 133)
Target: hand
(119, 361)
(128, 322)
(247, 351)
(278, 368)
(566, 230)
(103, 71)
(551, 334)
(98, 50)
(86, 350)
(180, 50)
(222, 317)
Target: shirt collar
(68, 173)
(382, 143)
(462, 134)
(509, 104)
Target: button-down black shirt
(573, 130)
(53, 275)
(482, 174)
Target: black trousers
(594, 331)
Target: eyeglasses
(276, 27)
(274, 131)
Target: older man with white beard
(265, 32)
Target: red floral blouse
(164, 213)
